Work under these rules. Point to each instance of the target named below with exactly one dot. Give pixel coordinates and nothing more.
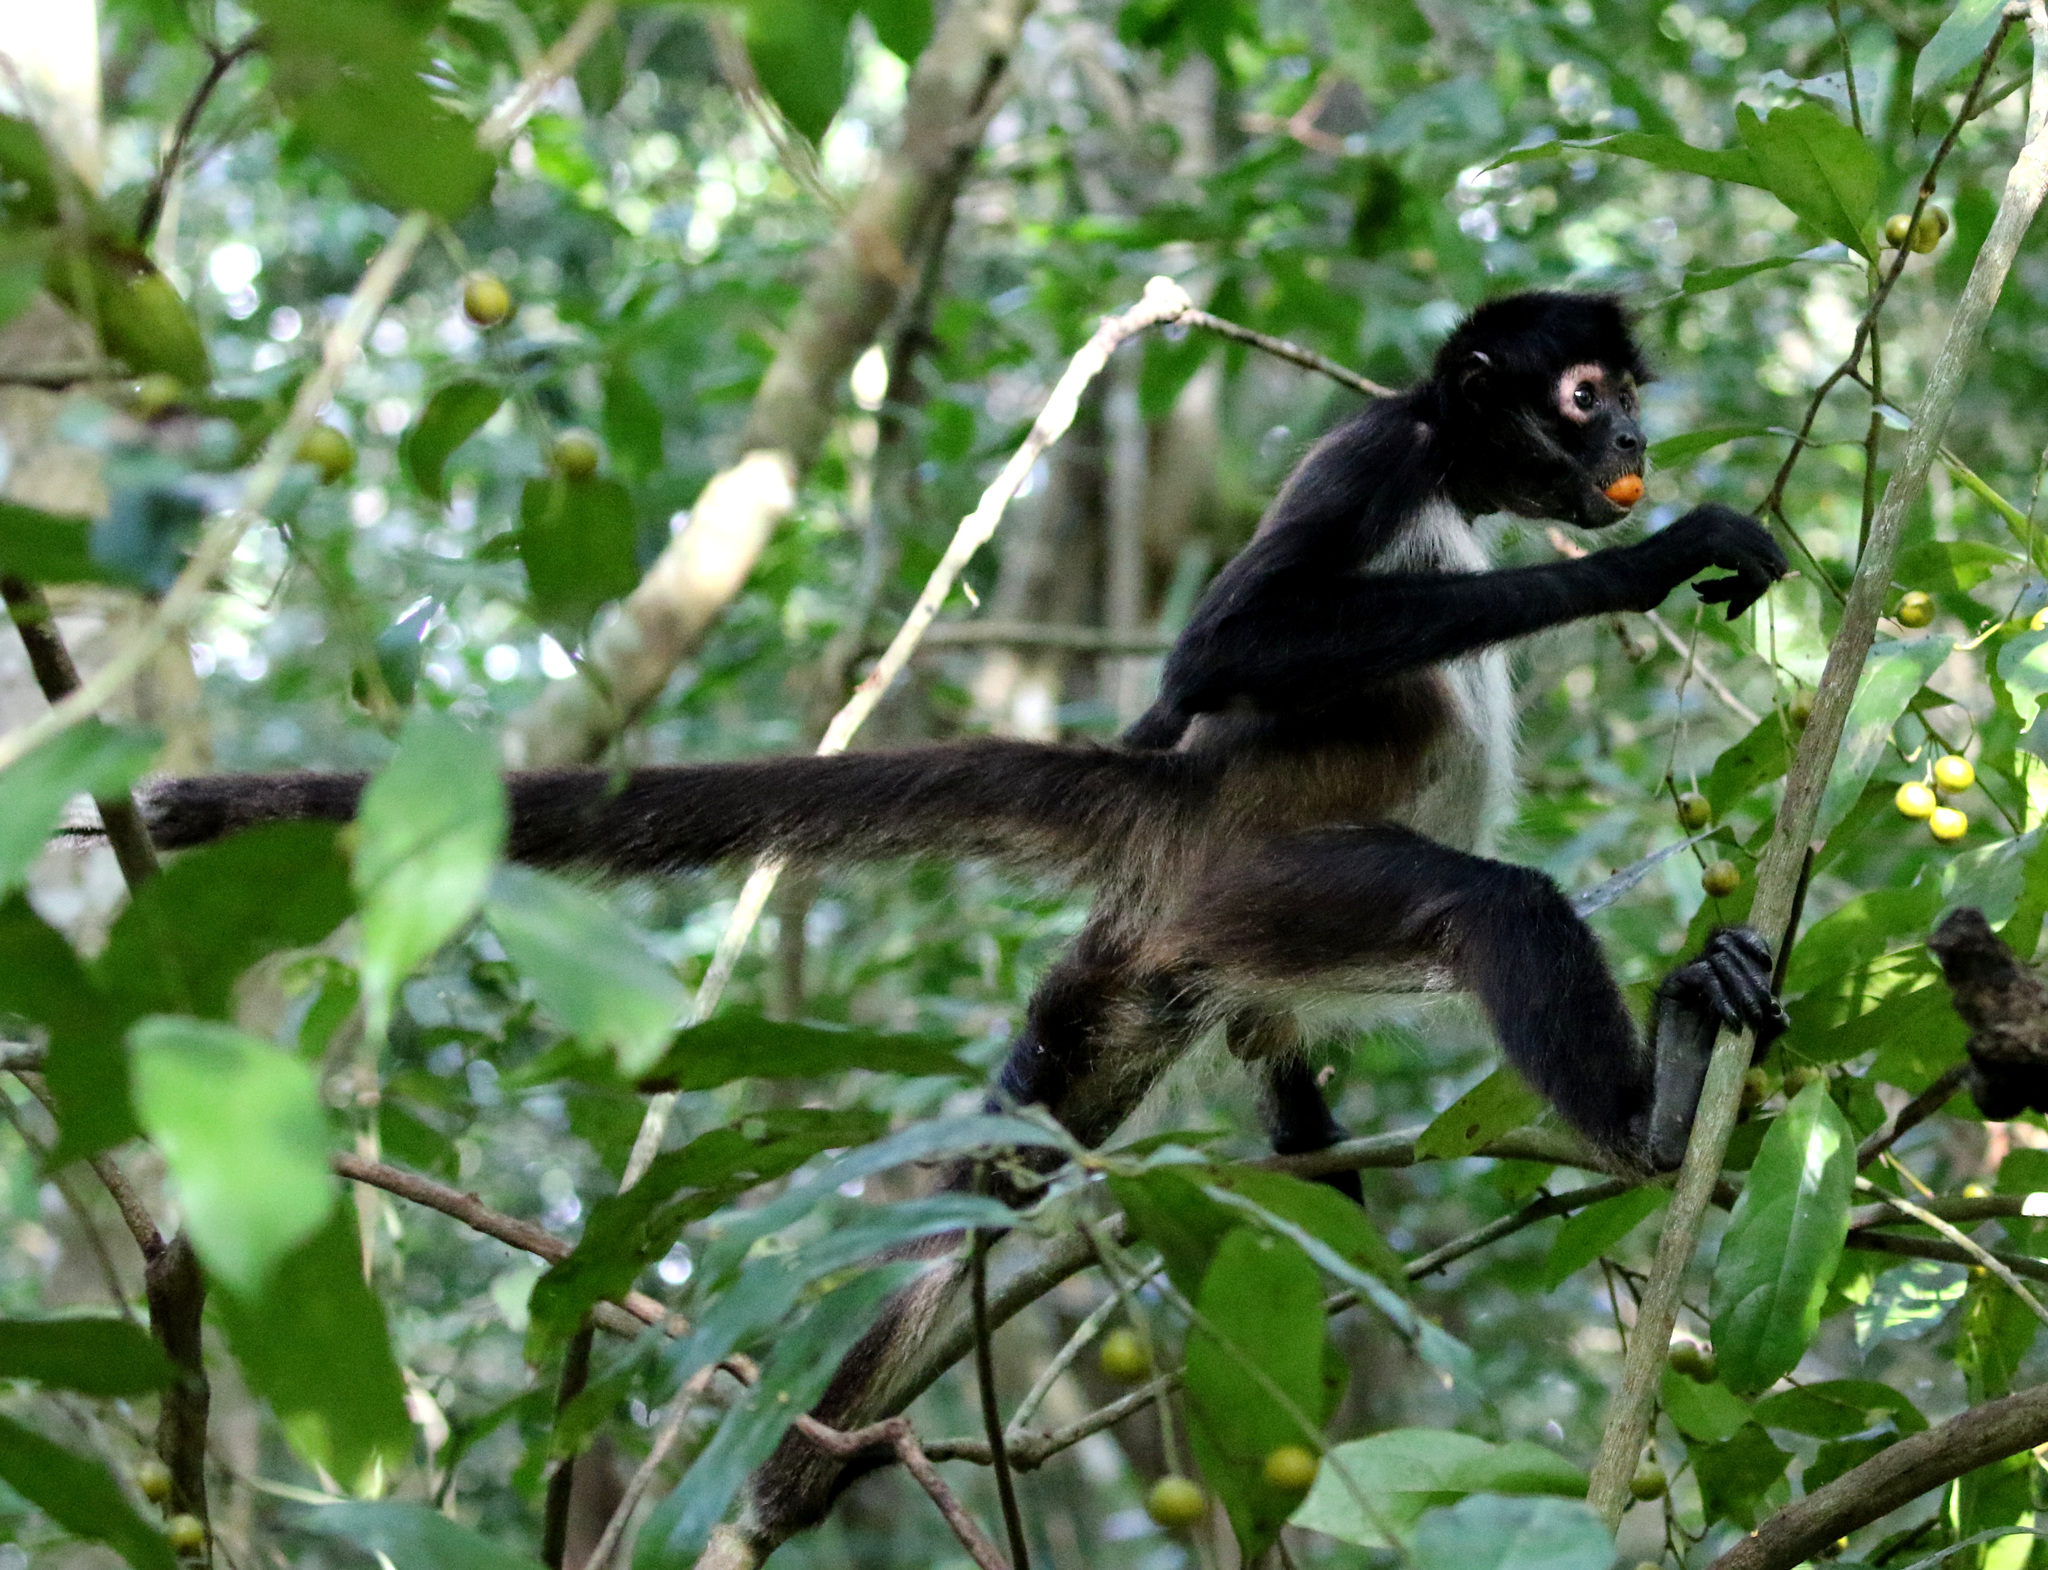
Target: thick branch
(1892, 1477)
(1806, 780)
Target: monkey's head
(1536, 393)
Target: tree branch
(897, 1433)
(1629, 1417)
(1892, 1477)
(224, 60)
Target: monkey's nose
(1627, 441)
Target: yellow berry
(1176, 1502)
(485, 299)
(1800, 709)
(1291, 1468)
(1948, 824)
(1756, 1088)
(1648, 1483)
(1954, 774)
(154, 1479)
(187, 1534)
(1694, 811)
(329, 451)
(1897, 229)
(1915, 800)
(1691, 1359)
(1797, 1079)
(157, 393)
(1721, 879)
(1928, 231)
(1915, 610)
(1123, 1356)
(575, 455)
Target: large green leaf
(1168, 1208)
(46, 547)
(96, 1357)
(738, 1045)
(799, 52)
(1498, 1103)
(241, 1129)
(1260, 1340)
(313, 1345)
(1709, 1412)
(1660, 152)
(1597, 1228)
(349, 75)
(1734, 1474)
(1837, 1408)
(576, 538)
(192, 930)
(1489, 1532)
(42, 981)
(1674, 450)
(627, 1232)
(903, 26)
(1783, 1242)
(1961, 39)
(2023, 667)
(427, 837)
(793, 1376)
(1395, 1476)
(1317, 1210)
(1891, 675)
(453, 415)
(90, 759)
(593, 972)
(412, 1534)
(79, 1495)
(1820, 168)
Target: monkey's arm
(1300, 637)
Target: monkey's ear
(1473, 375)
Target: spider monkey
(1297, 819)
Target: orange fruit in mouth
(1626, 491)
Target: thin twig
(1281, 349)
(1506, 1226)
(897, 1434)
(608, 1543)
(94, 1241)
(224, 60)
(554, 1534)
(1913, 1113)
(991, 1413)
(1977, 1251)
(1048, 1376)
(1028, 1451)
(134, 1213)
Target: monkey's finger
(1707, 983)
(1751, 992)
(1748, 940)
(1715, 590)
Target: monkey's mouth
(1617, 492)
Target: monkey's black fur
(1296, 818)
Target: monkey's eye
(1583, 395)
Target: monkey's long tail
(1065, 809)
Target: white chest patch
(1468, 788)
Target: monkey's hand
(1712, 536)
(1730, 983)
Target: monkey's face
(1595, 431)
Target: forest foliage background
(726, 234)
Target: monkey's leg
(1097, 1036)
(1365, 907)
(1291, 1106)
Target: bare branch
(1913, 1114)
(897, 1433)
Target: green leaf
(79, 1495)
(2023, 667)
(1859, 931)
(1317, 1209)
(349, 74)
(143, 321)
(1710, 1412)
(1594, 1230)
(427, 837)
(1952, 566)
(1263, 1305)
(1907, 1303)
(453, 415)
(793, 1376)
(1709, 279)
(799, 52)
(1965, 33)
(1661, 152)
(313, 1345)
(738, 1045)
(1735, 1474)
(577, 540)
(96, 1357)
(241, 1129)
(627, 1232)
(410, 1534)
(1783, 1242)
(632, 422)
(593, 972)
(1757, 759)
(1891, 675)
(1820, 168)
(41, 980)
(1404, 1472)
(191, 931)
(1498, 1103)
(47, 547)
(1168, 1209)
(903, 26)
(1488, 1532)
(90, 759)
(1674, 450)
(1837, 1408)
